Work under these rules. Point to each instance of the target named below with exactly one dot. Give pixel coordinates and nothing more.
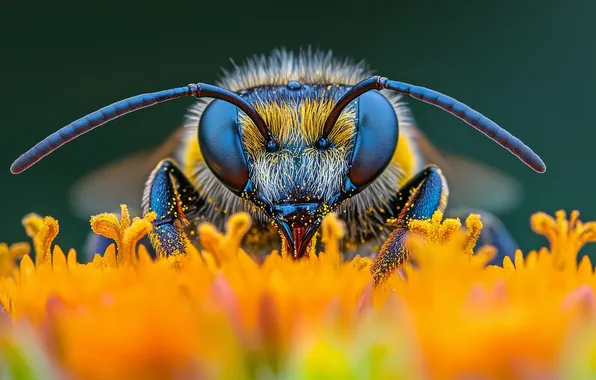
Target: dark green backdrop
(527, 64)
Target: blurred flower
(219, 313)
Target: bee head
(298, 176)
(296, 151)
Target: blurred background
(526, 64)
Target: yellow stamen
(126, 234)
(43, 231)
(566, 237)
(333, 230)
(225, 247)
(435, 229)
(8, 256)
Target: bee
(288, 138)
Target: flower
(218, 312)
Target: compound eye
(221, 147)
(376, 140)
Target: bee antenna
(122, 107)
(446, 103)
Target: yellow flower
(220, 313)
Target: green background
(530, 65)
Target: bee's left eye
(376, 140)
(220, 145)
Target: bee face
(299, 170)
(301, 179)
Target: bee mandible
(291, 138)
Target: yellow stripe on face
(192, 156)
(291, 123)
(405, 158)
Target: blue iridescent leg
(176, 202)
(493, 233)
(419, 198)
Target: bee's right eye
(221, 147)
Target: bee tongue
(298, 232)
(298, 238)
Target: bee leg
(176, 202)
(493, 233)
(419, 198)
